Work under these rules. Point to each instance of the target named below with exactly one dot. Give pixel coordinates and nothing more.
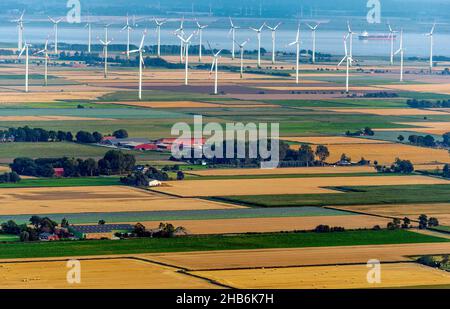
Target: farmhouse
(96, 231)
(167, 143)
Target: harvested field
(97, 274)
(328, 277)
(284, 171)
(94, 199)
(237, 259)
(386, 153)
(4, 169)
(47, 118)
(388, 111)
(442, 88)
(412, 211)
(428, 167)
(43, 97)
(262, 225)
(310, 185)
(294, 87)
(424, 127)
(332, 140)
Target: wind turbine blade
(52, 20)
(343, 59)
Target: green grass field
(207, 243)
(352, 196)
(8, 238)
(63, 182)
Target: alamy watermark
(74, 14)
(374, 14)
(73, 275)
(374, 274)
(234, 141)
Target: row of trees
(113, 163)
(405, 223)
(27, 134)
(414, 103)
(364, 132)
(142, 178)
(12, 177)
(399, 166)
(38, 225)
(164, 230)
(382, 94)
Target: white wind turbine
(200, 34)
(214, 66)
(180, 31)
(349, 59)
(392, 38)
(241, 47)
(55, 29)
(431, 45)
(350, 34)
(25, 49)
(20, 29)
(105, 44)
(186, 42)
(258, 35)
(402, 53)
(89, 27)
(128, 28)
(232, 31)
(313, 32)
(159, 24)
(274, 30)
(297, 44)
(44, 52)
(140, 50)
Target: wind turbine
(25, 49)
(214, 66)
(431, 45)
(274, 30)
(241, 47)
(313, 32)
(44, 52)
(20, 29)
(105, 44)
(89, 27)
(402, 52)
(258, 35)
(128, 28)
(297, 44)
(140, 50)
(350, 33)
(55, 27)
(392, 37)
(186, 42)
(232, 31)
(349, 59)
(180, 31)
(159, 24)
(200, 33)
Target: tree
(423, 222)
(10, 227)
(120, 133)
(180, 175)
(85, 137)
(24, 236)
(446, 139)
(101, 222)
(406, 223)
(97, 137)
(400, 138)
(446, 171)
(306, 155)
(64, 223)
(139, 230)
(433, 222)
(322, 153)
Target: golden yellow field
(443, 88)
(389, 111)
(328, 277)
(333, 140)
(261, 225)
(386, 153)
(94, 199)
(39, 97)
(425, 127)
(97, 274)
(412, 211)
(297, 256)
(310, 185)
(189, 104)
(285, 171)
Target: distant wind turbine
(392, 34)
(105, 44)
(402, 52)
(348, 59)
(258, 35)
(431, 45)
(274, 30)
(180, 32)
(200, 34)
(140, 50)
(186, 42)
(297, 44)
(89, 27)
(313, 31)
(241, 47)
(214, 67)
(350, 35)
(159, 24)
(20, 29)
(25, 49)
(232, 31)
(55, 28)
(128, 28)
(44, 52)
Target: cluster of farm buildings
(144, 144)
